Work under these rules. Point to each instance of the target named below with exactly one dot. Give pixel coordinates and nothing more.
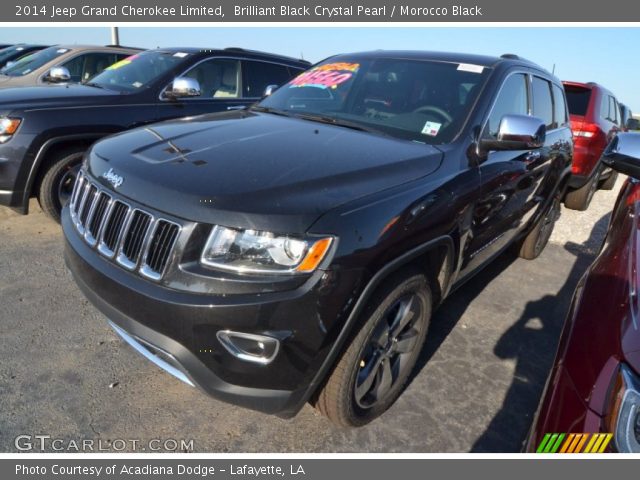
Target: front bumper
(177, 329)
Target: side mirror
(183, 87)
(269, 90)
(632, 124)
(623, 154)
(58, 75)
(9, 64)
(516, 132)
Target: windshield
(424, 101)
(578, 99)
(34, 61)
(137, 71)
(7, 53)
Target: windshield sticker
(122, 63)
(326, 76)
(136, 84)
(180, 54)
(62, 50)
(431, 128)
(468, 67)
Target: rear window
(578, 99)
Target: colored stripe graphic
(574, 443)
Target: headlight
(8, 127)
(252, 251)
(623, 418)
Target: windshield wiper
(95, 85)
(339, 123)
(274, 111)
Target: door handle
(236, 107)
(532, 156)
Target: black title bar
(330, 11)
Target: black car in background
(45, 130)
(12, 53)
(62, 64)
(295, 251)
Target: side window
(559, 107)
(256, 76)
(604, 107)
(87, 65)
(218, 78)
(512, 99)
(614, 110)
(542, 103)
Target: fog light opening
(250, 347)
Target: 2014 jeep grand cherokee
(295, 251)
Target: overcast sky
(604, 55)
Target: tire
(580, 198)
(350, 395)
(610, 182)
(57, 183)
(533, 244)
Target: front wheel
(57, 183)
(376, 365)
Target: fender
(42, 151)
(369, 289)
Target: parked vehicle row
(277, 233)
(46, 129)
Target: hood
(254, 170)
(49, 96)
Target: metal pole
(115, 37)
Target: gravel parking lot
(64, 373)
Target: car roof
(454, 57)
(238, 50)
(96, 47)
(587, 86)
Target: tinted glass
(614, 112)
(511, 100)
(542, 102)
(137, 71)
(34, 61)
(85, 66)
(559, 107)
(411, 99)
(259, 75)
(218, 78)
(15, 52)
(578, 99)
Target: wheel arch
(436, 258)
(45, 153)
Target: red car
(594, 385)
(595, 119)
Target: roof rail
(123, 46)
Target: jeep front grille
(132, 237)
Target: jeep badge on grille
(113, 178)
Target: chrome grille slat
(132, 237)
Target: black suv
(295, 251)
(62, 64)
(45, 130)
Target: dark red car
(595, 119)
(594, 385)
